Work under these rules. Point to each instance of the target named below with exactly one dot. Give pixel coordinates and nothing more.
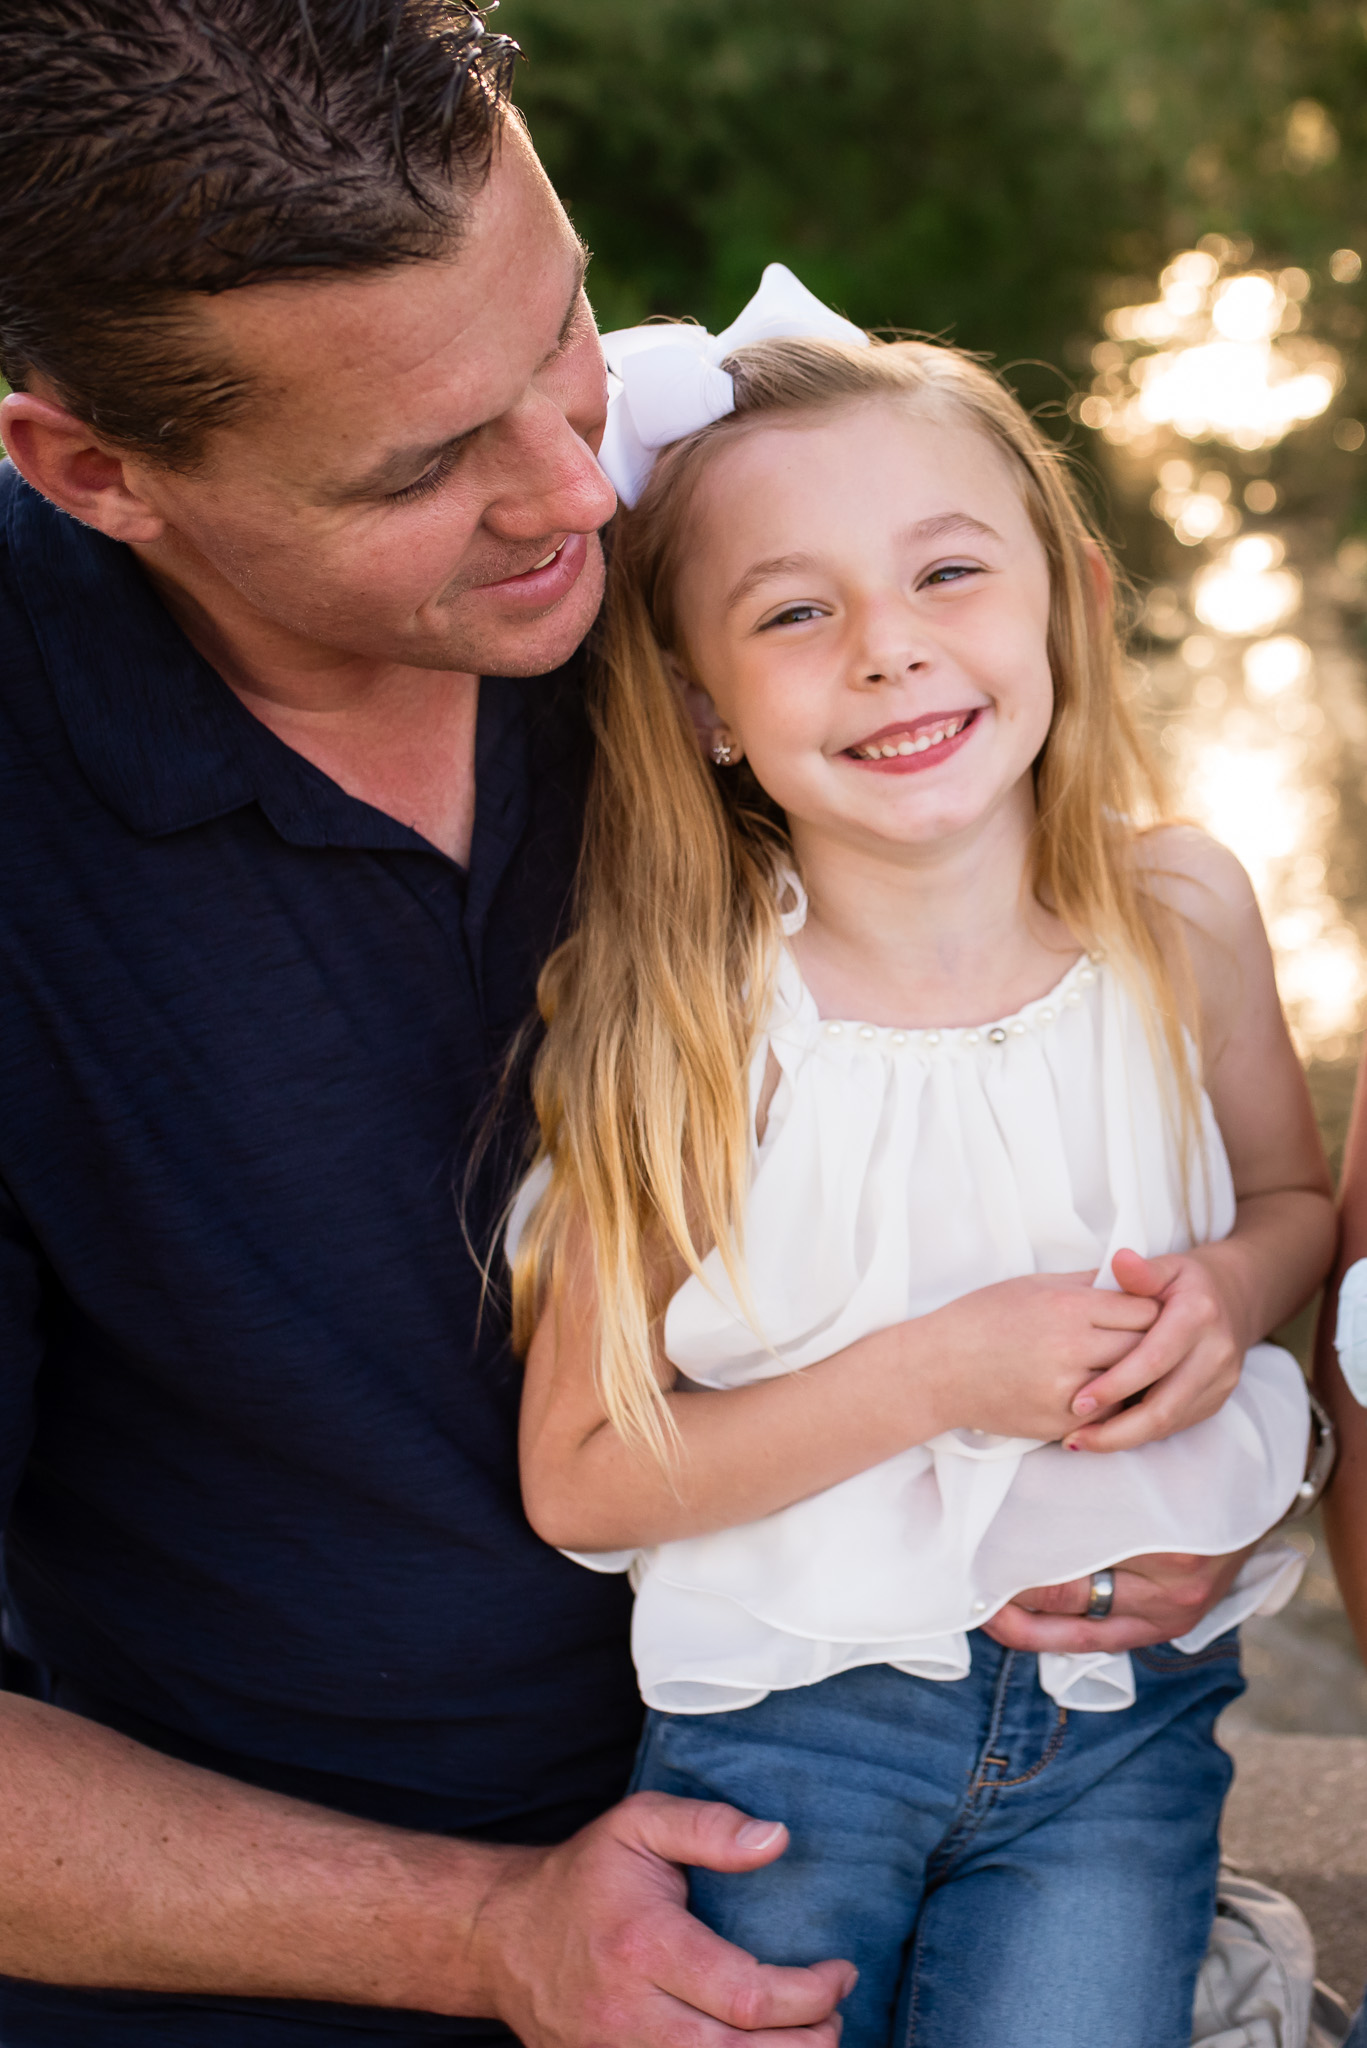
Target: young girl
(907, 1106)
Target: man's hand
(1190, 1359)
(591, 1944)
(1156, 1598)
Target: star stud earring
(723, 750)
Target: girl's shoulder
(1206, 888)
(1193, 875)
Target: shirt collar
(158, 733)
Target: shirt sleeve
(24, 1291)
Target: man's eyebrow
(402, 465)
(583, 255)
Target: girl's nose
(895, 670)
(893, 661)
(891, 647)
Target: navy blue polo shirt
(257, 1431)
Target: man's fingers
(1069, 1598)
(698, 1831)
(701, 1970)
(1063, 1633)
(666, 1946)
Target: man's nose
(554, 483)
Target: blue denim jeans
(1005, 1874)
(1357, 2038)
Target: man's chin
(534, 646)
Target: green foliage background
(996, 170)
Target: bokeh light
(1215, 358)
(1247, 591)
(1220, 367)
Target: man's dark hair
(155, 149)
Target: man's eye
(793, 615)
(429, 482)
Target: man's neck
(398, 738)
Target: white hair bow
(667, 381)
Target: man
(306, 398)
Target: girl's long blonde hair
(653, 1007)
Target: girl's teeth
(889, 750)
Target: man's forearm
(126, 1869)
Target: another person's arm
(1345, 1504)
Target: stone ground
(1297, 1819)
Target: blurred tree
(977, 167)
(922, 163)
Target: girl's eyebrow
(760, 572)
(936, 527)
(942, 523)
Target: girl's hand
(1191, 1357)
(1016, 1357)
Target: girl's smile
(915, 744)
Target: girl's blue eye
(953, 572)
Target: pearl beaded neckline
(1068, 994)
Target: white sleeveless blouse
(899, 1170)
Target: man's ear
(65, 460)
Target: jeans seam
(974, 1809)
(1051, 1750)
(914, 1991)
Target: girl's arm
(1218, 1299)
(1009, 1359)
(1345, 1504)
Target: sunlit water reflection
(1259, 700)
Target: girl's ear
(713, 737)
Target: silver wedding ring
(1101, 1598)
